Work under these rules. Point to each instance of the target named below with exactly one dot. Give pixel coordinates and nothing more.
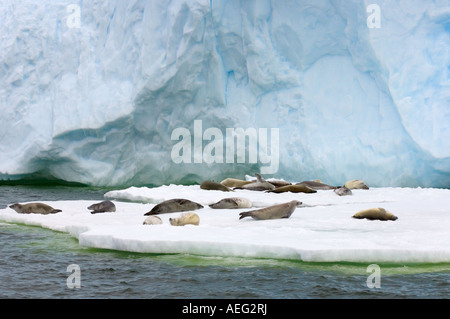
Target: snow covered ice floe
(322, 230)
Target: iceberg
(321, 230)
(91, 92)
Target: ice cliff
(92, 91)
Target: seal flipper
(245, 214)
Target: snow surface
(97, 103)
(322, 230)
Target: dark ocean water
(34, 264)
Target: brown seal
(273, 212)
(260, 185)
(174, 205)
(292, 189)
(234, 182)
(34, 208)
(211, 185)
(375, 213)
(316, 185)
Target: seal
(185, 219)
(356, 184)
(316, 185)
(279, 182)
(231, 203)
(260, 185)
(174, 205)
(102, 207)
(211, 185)
(152, 220)
(284, 210)
(375, 213)
(34, 208)
(343, 191)
(234, 182)
(292, 189)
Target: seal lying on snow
(316, 185)
(292, 189)
(152, 220)
(232, 202)
(34, 208)
(174, 205)
(343, 191)
(375, 213)
(273, 212)
(234, 182)
(211, 185)
(185, 219)
(356, 184)
(102, 207)
(260, 185)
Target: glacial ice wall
(91, 92)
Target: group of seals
(182, 220)
(44, 209)
(281, 186)
(284, 210)
(298, 188)
(171, 206)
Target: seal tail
(245, 214)
(55, 211)
(150, 213)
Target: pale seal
(356, 184)
(152, 220)
(343, 191)
(234, 182)
(273, 212)
(34, 208)
(231, 203)
(211, 185)
(102, 207)
(375, 213)
(260, 185)
(292, 189)
(185, 219)
(316, 185)
(174, 205)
